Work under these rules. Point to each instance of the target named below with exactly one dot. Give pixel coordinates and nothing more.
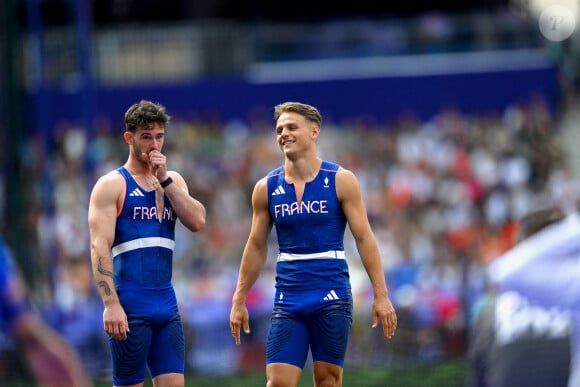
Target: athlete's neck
(137, 168)
(143, 176)
(302, 170)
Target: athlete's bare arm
(253, 259)
(190, 211)
(349, 194)
(104, 205)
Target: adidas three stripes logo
(136, 192)
(331, 296)
(278, 191)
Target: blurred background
(457, 117)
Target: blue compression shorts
(155, 342)
(318, 320)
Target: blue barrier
(383, 98)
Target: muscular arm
(349, 193)
(103, 207)
(253, 259)
(189, 210)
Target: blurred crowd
(443, 197)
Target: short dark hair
(537, 220)
(145, 113)
(308, 111)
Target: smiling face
(296, 134)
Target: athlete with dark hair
(132, 215)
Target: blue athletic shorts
(315, 320)
(155, 342)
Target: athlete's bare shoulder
(346, 183)
(110, 179)
(261, 186)
(260, 194)
(345, 175)
(111, 184)
(111, 175)
(261, 183)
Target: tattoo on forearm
(103, 284)
(103, 271)
(106, 287)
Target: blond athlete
(309, 201)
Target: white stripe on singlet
(331, 254)
(143, 242)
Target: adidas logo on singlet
(278, 191)
(331, 296)
(136, 192)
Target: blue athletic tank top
(310, 233)
(143, 247)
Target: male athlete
(310, 201)
(132, 216)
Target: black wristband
(166, 182)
